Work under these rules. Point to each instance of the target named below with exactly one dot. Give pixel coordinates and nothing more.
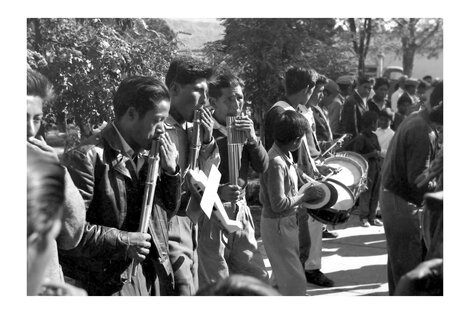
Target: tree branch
(352, 27)
(427, 37)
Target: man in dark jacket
(409, 154)
(110, 170)
(355, 106)
(239, 255)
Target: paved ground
(356, 261)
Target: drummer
(367, 144)
(280, 199)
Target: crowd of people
(85, 209)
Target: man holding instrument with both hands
(234, 132)
(109, 169)
(187, 82)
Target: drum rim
(358, 155)
(345, 215)
(342, 185)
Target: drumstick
(332, 146)
(333, 172)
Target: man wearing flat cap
(345, 86)
(411, 86)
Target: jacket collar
(117, 156)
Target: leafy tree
(417, 35)
(86, 59)
(260, 51)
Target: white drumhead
(351, 172)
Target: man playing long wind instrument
(239, 148)
(187, 82)
(110, 171)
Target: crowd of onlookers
(83, 211)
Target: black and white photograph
(273, 150)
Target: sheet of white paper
(210, 191)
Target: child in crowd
(280, 199)
(384, 132)
(368, 146)
(403, 110)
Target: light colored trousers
(238, 255)
(310, 240)
(281, 242)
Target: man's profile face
(228, 104)
(144, 126)
(317, 95)
(33, 115)
(189, 97)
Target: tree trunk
(361, 65)
(408, 60)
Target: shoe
(329, 234)
(365, 222)
(376, 222)
(318, 278)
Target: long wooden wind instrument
(150, 184)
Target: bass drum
(340, 211)
(350, 173)
(356, 157)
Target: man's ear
(132, 113)
(36, 242)
(174, 89)
(33, 239)
(212, 101)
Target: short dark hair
(38, 85)
(427, 77)
(223, 80)
(186, 70)
(369, 118)
(297, 78)
(364, 80)
(139, 92)
(290, 126)
(45, 193)
(384, 114)
(379, 82)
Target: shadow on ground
(370, 277)
(367, 245)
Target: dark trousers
(151, 279)
(402, 232)
(369, 199)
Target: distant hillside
(200, 30)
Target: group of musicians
(140, 224)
